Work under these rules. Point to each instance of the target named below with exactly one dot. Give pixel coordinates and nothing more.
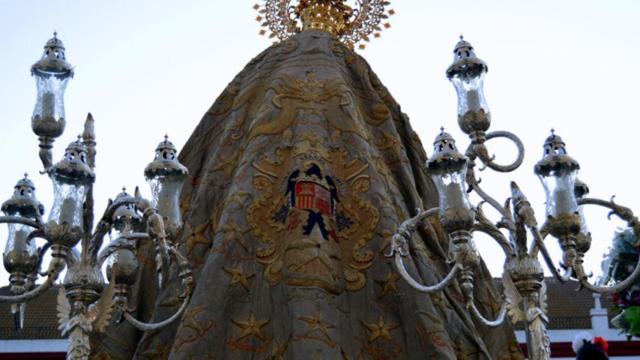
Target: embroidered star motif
(379, 330)
(197, 236)
(250, 327)
(278, 350)
(238, 277)
(233, 233)
(388, 284)
(315, 323)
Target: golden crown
(283, 18)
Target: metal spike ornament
(351, 24)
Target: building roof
(40, 321)
(567, 307)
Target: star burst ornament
(351, 24)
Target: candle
(565, 202)
(68, 211)
(473, 100)
(48, 106)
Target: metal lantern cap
(73, 168)
(446, 157)
(581, 189)
(53, 61)
(23, 201)
(465, 62)
(165, 162)
(555, 159)
(126, 211)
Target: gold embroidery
(250, 327)
(379, 329)
(388, 284)
(294, 258)
(238, 277)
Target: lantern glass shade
(122, 267)
(50, 96)
(67, 202)
(559, 189)
(165, 190)
(470, 89)
(452, 192)
(18, 253)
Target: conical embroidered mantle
(299, 174)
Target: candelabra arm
(474, 184)
(20, 220)
(142, 326)
(539, 245)
(423, 288)
(484, 225)
(495, 323)
(544, 232)
(400, 248)
(479, 149)
(606, 290)
(55, 268)
(41, 252)
(627, 215)
(622, 212)
(186, 278)
(119, 244)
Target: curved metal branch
(41, 252)
(400, 248)
(20, 220)
(540, 246)
(495, 323)
(484, 225)
(54, 272)
(488, 161)
(123, 243)
(112, 248)
(142, 326)
(605, 290)
(622, 212)
(544, 232)
(475, 186)
(187, 282)
(627, 215)
(422, 288)
(400, 240)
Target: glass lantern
(21, 255)
(557, 172)
(448, 170)
(166, 175)
(52, 73)
(71, 178)
(467, 76)
(122, 265)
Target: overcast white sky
(149, 67)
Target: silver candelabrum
(517, 231)
(86, 302)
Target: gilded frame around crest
(353, 181)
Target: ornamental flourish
(351, 24)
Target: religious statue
(299, 174)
